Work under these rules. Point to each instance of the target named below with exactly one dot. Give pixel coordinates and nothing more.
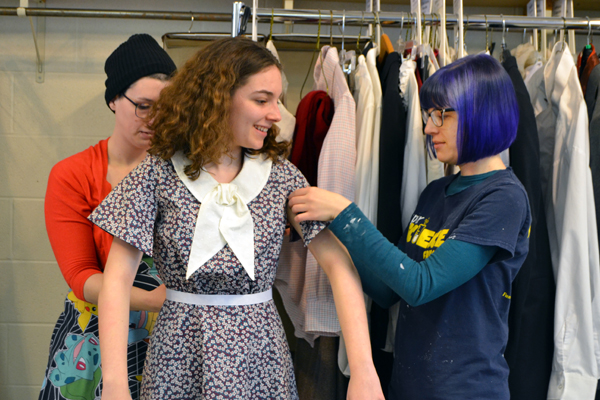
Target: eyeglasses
(436, 115)
(141, 109)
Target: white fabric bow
(224, 217)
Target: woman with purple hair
(453, 267)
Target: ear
(112, 105)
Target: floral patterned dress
(200, 351)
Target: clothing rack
(262, 15)
(395, 19)
(116, 14)
(352, 18)
(399, 19)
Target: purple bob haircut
(480, 91)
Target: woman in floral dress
(210, 205)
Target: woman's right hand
(314, 204)
(156, 298)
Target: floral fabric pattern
(208, 352)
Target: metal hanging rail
(393, 19)
(356, 18)
(125, 14)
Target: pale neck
(493, 163)
(122, 154)
(227, 168)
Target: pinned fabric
(224, 217)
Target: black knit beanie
(134, 59)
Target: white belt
(219, 299)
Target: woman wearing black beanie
(136, 73)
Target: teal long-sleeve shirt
(387, 272)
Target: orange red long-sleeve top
(76, 186)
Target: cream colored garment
(414, 177)
(378, 98)
(288, 121)
(224, 217)
(562, 122)
(284, 82)
(286, 125)
(526, 56)
(365, 120)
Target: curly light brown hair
(192, 113)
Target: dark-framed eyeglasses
(436, 115)
(141, 109)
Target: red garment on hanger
(313, 119)
(590, 63)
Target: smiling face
(444, 137)
(254, 109)
(129, 128)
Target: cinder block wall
(42, 123)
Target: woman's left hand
(365, 386)
(314, 204)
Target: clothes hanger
(563, 31)
(377, 40)
(400, 43)
(362, 20)
(244, 20)
(271, 26)
(503, 33)
(347, 58)
(589, 35)
(487, 27)
(386, 46)
(192, 24)
(330, 28)
(317, 49)
(254, 21)
(438, 20)
(466, 27)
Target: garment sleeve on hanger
(374, 154)
(567, 190)
(365, 120)
(336, 163)
(530, 341)
(414, 177)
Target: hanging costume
(562, 123)
(530, 340)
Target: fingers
(299, 192)
(299, 208)
(305, 216)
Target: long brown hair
(192, 113)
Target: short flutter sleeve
(296, 181)
(130, 210)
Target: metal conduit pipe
(264, 15)
(125, 14)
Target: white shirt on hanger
(414, 177)
(378, 98)
(569, 202)
(365, 121)
(306, 292)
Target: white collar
(224, 217)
